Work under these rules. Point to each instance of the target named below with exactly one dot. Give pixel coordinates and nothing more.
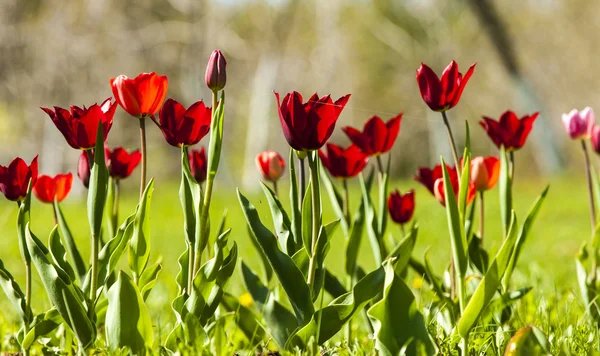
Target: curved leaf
(245, 319)
(281, 221)
(98, 187)
(78, 263)
(295, 205)
(139, 245)
(14, 293)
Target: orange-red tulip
(47, 189)
(271, 165)
(142, 95)
(485, 172)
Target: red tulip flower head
(142, 95)
(377, 136)
(401, 206)
(510, 131)
(80, 125)
(271, 165)
(442, 94)
(485, 172)
(216, 74)
(579, 124)
(307, 126)
(198, 164)
(121, 163)
(14, 179)
(343, 163)
(83, 169)
(48, 189)
(433, 180)
(184, 127)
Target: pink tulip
(579, 124)
(596, 138)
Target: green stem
(302, 182)
(94, 276)
(588, 172)
(143, 144)
(452, 143)
(511, 157)
(481, 218)
(191, 265)
(465, 346)
(275, 188)
(380, 169)
(346, 207)
(316, 212)
(115, 208)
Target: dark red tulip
(377, 136)
(83, 169)
(433, 180)
(184, 127)
(198, 164)
(216, 74)
(142, 95)
(509, 131)
(442, 94)
(14, 179)
(121, 163)
(80, 125)
(343, 163)
(47, 189)
(401, 206)
(307, 126)
(271, 165)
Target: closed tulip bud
(401, 206)
(216, 73)
(198, 164)
(485, 172)
(83, 169)
(579, 124)
(271, 165)
(596, 138)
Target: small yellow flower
(417, 283)
(246, 300)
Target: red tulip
(216, 74)
(485, 172)
(142, 95)
(47, 189)
(509, 130)
(377, 136)
(271, 165)
(343, 163)
(83, 169)
(442, 94)
(184, 127)
(80, 125)
(198, 164)
(307, 126)
(14, 179)
(121, 163)
(401, 206)
(433, 180)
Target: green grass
(547, 262)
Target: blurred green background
(532, 55)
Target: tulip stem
(302, 181)
(94, 277)
(481, 218)
(346, 207)
(143, 144)
(316, 213)
(115, 209)
(588, 173)
(402, 230)
(275, 188)
(511, 157)
(452, 143)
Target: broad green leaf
(403, 251)
(148, 279)
(371, 223)
(505, 188)
(78, 263)
(218, 289)
(63, 294)
(139, 244)
(337, 202)
(295, 204)
(128, 322)
(290, 277)
(332, 285)
(383, 190)
(245, 319)
(43, 324)
(463, 190)
(14, 293)
(22, 221)
(582, 275)
(111, 224)
(59, 254)
(113, 250)
(266, 267)
(397, 323)
(523, 233)
(281, 221)
(335, 315)
(307, 220)
(356, 231)
(186, 197)
(467, 137)
(434, 280)
(182, 275)
(216, 137)
(455, 226)
(98, 188)
(220, 229)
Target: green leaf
(582, 276)
(14, 293)
(182, 275)
(98, 188)
(465, 179)
(245, 319)
(337, 201)
(455, 226)
(63, 294)
(354, 239)
(186, 196)
(397, 323)
(281, 221)
(307, 219)
(467, 137)
(290, 277)
(22, 221)
(371, 223)
(113, 250)
(43, 324)
(148, 279)
(335, 315)
(505, 187)
(216, 137)
(295, 204)
(383, 190)
(266, 267)
(109, 206)
(523, 233)
(220, 229)
(332, 285)
(59, 254)
(139, 245)
(78, 264)
(128, 322)
(403, 251)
